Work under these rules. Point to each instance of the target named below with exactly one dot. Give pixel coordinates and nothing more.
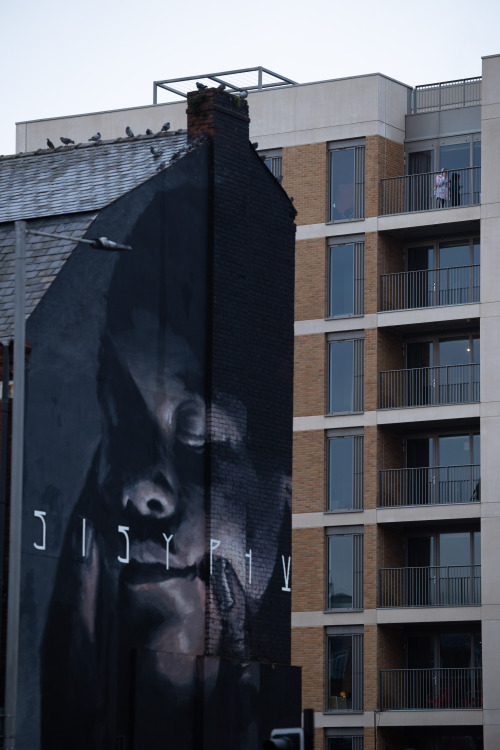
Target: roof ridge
(79, 146)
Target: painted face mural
(168, 553)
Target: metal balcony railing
(435, 287)
(464, 92)
(438, 485)
(417, 192)
(427, 386)
(432, 586)
(424, 689)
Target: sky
(61, 58)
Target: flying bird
(149, 131)
(66, 141)
(129, 132)
(165, 127)
(96, 137)
(49, 143)
(200, 86)
(155, 151)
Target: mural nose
(152, 497)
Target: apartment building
(395, 594)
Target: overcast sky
(62, 58)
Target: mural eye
(191, 425)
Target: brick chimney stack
(212, 112)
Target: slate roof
(44, 259)
(79, 178)
(64, 189)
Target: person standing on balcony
(442, 188)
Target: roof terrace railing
(431, 97)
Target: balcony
(438, 485)
(429, 386)
(426, 689)
(432, 586)
(436, 287)
(417, 192)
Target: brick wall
(371, 273)
(308, 646)
(371, 370)
(308, 571)
(308, 476)
(370, 680)
(390, 351)
(370, 567)
(309, 375)
(384, 158)
(370, 477)
(305, 177)
(310, 279)
(250, 361)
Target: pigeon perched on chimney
(66, 141)
(96, 137)
(221, 86)
(255, 144)
(149, 131)
(165, 127)
(49, 143)
(200, 86)
(243, 94)
(129, 132)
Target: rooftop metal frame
(264, 79)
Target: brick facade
(309, 569)
(310, 279)
(309, 375)
(305, 178)
(308, 476)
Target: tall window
(345, 472)
(347, 181)
(346, 381)
(345, 569)
(273, 161)
(344, 670)
(346, 277)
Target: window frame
(357, 501)
(357, 400)
(358, 146)
(355, 632)
(356, 534)
(358, 275)
(275, 157)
